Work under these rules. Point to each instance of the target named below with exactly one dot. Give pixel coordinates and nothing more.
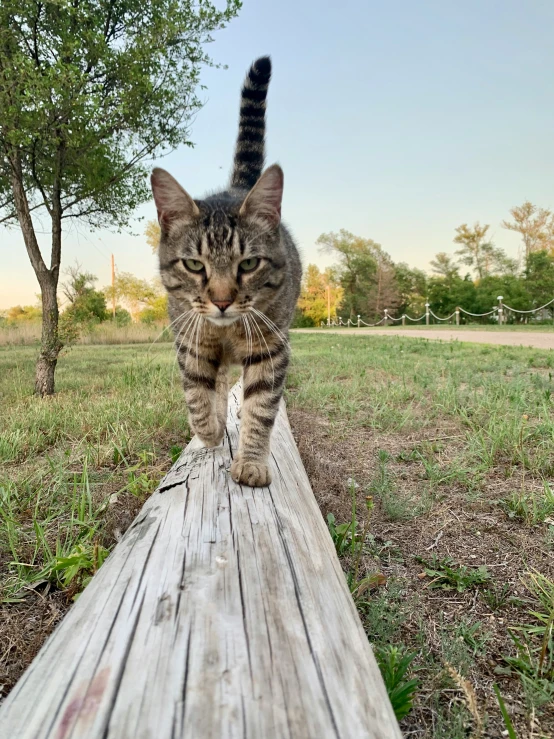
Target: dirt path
(506, 338)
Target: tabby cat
(232, 273)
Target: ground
(446, 450)
(538, 337)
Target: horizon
(398, 127)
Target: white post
(457, 315)
(386, 317)
(358, 321)
(426, 314)
(500, 310)
(403, 320)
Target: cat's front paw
(253, 474)
(211, 434)
(211, 440)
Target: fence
(501, 313)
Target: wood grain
(223, 612)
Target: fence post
(358, 321)
(500, 310)
(457, 315)
(403, 320)
(426, 314)
(386, 317)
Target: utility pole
(328, 305)
(113, 288)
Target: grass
(422, 456)
(28, 334)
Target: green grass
(66, 463)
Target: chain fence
(499, 313)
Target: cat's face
(221, 258)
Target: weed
(448, 575)
(394, 662)
(496, 597)
(530, 507)
(473, 635)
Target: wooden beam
(223, 612)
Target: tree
(536, 226)
(314, 294)
(445, 294)
(367, 273)
(156, 309)
(136, 293)
(475, 251)
(85, 303)
(412, 288)
(445, 266)
(539, 278)
(89, 92)
(152, 233)
(357, 265)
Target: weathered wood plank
(222, 613)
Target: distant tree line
(84, 306)
(365, 280)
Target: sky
(397, 121)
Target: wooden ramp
(223, 612)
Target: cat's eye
(249, 265)
(194, 265)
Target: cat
(232, 273)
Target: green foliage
(79, 564)
(122, 316)
(412, 289)
(448, 575)
(81, 85)
(156, 309)
(394, 663)
(539, 278)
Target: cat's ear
(263, 202)
(172, 201)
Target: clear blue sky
(397, 121)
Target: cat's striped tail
(250, 149)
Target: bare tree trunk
(50, 342)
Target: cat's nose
(222, 304)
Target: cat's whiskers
(271, 326)
(249, 345)
(186, 329)
(183, 314)
(199, 326)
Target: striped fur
(250, 148)
(223, 314)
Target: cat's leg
(222, 394)
(200, 381)
(263, 384)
